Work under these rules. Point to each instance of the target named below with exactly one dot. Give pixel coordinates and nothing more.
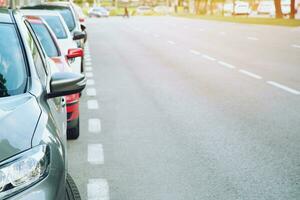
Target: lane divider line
(171, 42)
(94, 125)
(226, 65)
(208, 57)
(91, 92)
(95, 154)
(98, 189)
(92, 104)
(283, 87)
(250, 74)
(295, 46)
(89, 74)
(252, 38)
(88, 69)
(195, 52)
(90, 82)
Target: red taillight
(74, 53)
(81, 19)
(72, 98)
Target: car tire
(72, 192)
(73, 133)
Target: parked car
(241, 8)
(49, 43)
(98, 12)
(68, 14)
(144, 10)
(266, 8)
(33, 159)
(162, 10)
(64, 38)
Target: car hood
(19, 116)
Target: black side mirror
(78, 35)
(82, 27)
(66, 83)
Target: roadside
(244, 19)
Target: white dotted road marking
(195, 52)
(95, 154)
(88, 63)
(226, 65)
(91, 92)
(88, 59)
(252, 38)
(94, 125)
(250, 74)
(208, 57)
(156, 35)
(295, 46)
(171, 42)
(90, 82)
(89, 74)
(88, 69)
(92, 104)
(288, 89)
(98, 189)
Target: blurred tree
(293, 10)
(278, 11)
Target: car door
(45, 68)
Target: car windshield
(68, 17)
(12, 66)
(99, 9)
(45, 38)
(56, 26)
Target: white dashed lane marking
(88, 69)
(195, 52)
(88, 63)
(295, 46)
(89, 74)
(171, 42)
(90, 82)
(226, 65)
(252, 38)
(283, 87)
(208, 57)
(94, 125)
(250, 74)
(98, 189)
(95, 154)
(91, 92)
(92, 104)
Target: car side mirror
(82, 27)
(78, 35)
(74, 53)
(66, 83)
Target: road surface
(181, 109)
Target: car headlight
(24, 170)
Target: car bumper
(72, 110)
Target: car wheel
(72, 192)
(73, 133)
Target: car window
(68, 17)
(45, 38)
(36, 55)
(13, 76)
(56, 26)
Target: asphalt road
(180, 109)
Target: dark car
(32, 116)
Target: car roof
(39, 12)
(48, 6)
(5, 15)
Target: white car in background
(98, 12)
(144, 10)
(266, 8)
(241, 8)
(162, 10)
(66, 41)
